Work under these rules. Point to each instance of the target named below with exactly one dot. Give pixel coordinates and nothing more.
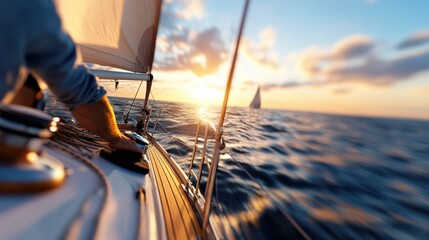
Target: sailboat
(71, 191)
(256, 102)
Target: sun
(205, 95)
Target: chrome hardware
(140, 141)
(22, 168)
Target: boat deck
(180, 219)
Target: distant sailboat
(256, 102)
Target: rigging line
(132, 104)
(291, 220)
(166, 131)
(155, 101)
(170, 135)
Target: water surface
(332, 177)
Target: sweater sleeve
(52, 56)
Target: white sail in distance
(115, 33)
(256, 102)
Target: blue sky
(305, 22)
(357, 57)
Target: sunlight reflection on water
(338, 177)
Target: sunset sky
(356, 57)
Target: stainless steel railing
(200, 157)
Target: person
(32, 42)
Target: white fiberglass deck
(72, 210)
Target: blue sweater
(32, 41)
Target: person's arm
(51, 56)
(99, 118)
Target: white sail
(256, 102)
(116, 33)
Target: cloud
(290, 84)
(269, 86)
(357, 59)
(339, 91)
(261, 52)
(202, 53)
(352, 47)
(381, 72)
(175, 12)
(209, 44)
(354, 59)
(313, 61)
(191, 9)
(416, 39)
(180, 49)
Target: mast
(219, 130)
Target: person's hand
(124, 143)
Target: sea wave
(296, 175)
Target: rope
(79, 139)
(165, 130)
(132, 104)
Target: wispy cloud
(176, 11)
(261, 52)
(358, 59)
(183, 50)
(416, 39)
(290, 84)
(352, 47)
(355, 59)
(340, 91)
(376, 71)
(314, 62)
(202, 53)
(191, 9)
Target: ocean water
(296, 175)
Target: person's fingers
(133, 146)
